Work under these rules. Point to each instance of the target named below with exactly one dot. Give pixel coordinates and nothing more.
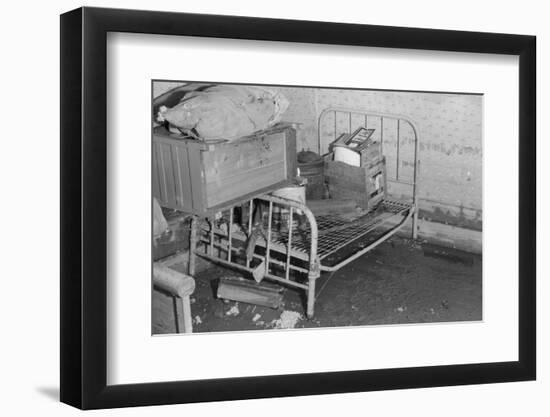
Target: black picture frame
(84, 207)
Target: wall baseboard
(446, 235)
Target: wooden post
(192, 245)
(179, 285)
(415, 181)
(187, 318)
(311, 295)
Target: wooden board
(250, 292)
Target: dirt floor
(401, 281)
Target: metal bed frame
(296, 256)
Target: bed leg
(415, 224)
(186, 311)
(192, 246)
(311, 296)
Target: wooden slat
(244, 183)
(167, 177)
(290, 154)
(155, 176)
(194, 159)
(183, 180)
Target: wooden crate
(204, 177)
(365, 185)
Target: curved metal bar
(313, 260)
(383, 238)
(363, 112)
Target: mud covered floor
(401, 281)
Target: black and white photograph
(295, 207)
(244, 208)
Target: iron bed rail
(305, 252)
(225, 244)
(307, 248)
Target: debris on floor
(233, 311)
(259, 272)
(394, 284)
(197, 320)
(288, 320)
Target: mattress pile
(225, 111)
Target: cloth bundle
(225, 111)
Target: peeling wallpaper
(450, 128)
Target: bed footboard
(284, 223)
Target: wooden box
(366, 185)
(204, 177)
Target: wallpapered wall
(450, 127)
